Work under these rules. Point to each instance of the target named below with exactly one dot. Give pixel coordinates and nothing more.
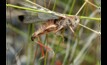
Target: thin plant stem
(81, 8)
(34, 10)
(49, 3)
(73, 3)
(57, 48)
(54, 5)
(92, 4)
(90, 29)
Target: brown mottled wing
(31, 17)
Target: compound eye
(76, 19)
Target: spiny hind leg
(48, 49)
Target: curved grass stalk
(34, 10)
(24, 8)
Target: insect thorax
(54, 25)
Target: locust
(52, 21)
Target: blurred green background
(84, 49)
